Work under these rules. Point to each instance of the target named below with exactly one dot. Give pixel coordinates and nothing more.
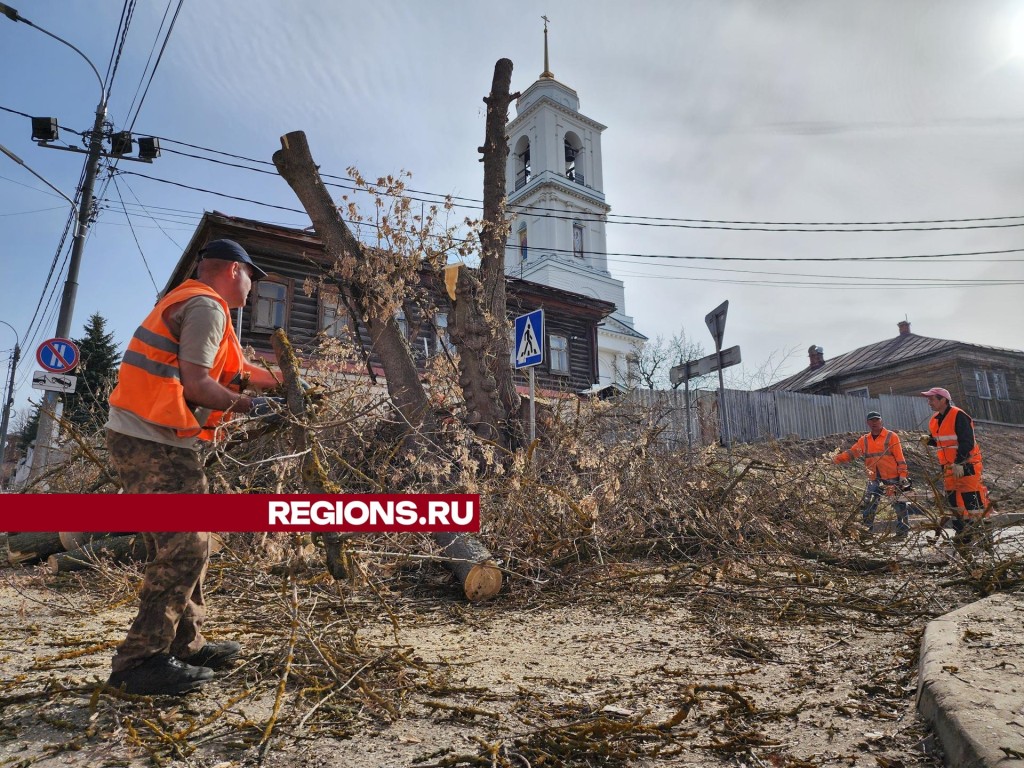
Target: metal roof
(882, 354)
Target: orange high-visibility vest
(883, 455)
(946, 440)
(149, 379)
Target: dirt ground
(617, 664)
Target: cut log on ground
(119, 549)
(474, 566)
(75, 540)
(25, 548)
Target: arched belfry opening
(573, 152)
(523, 170)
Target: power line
(908, 225)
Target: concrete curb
(971, 682)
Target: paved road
(971, 682)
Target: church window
(573, 150)
(523, 172)
(577, 240)
(523, 247)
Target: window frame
(858, 392)
(578, 229)
(341, 322)
(255, 323)
(564, 353)
(442, 341)
(1000, 388)
(981, 377)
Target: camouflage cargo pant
(171, 609)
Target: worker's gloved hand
(958, 470)
(270, 409)
(905, 484)
(925, 439)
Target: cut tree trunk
(295, 164)
(474, 566)
(25, 548)
(479, 323)
(72, 541)
(119, 549)
(303, 439)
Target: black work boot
(160, 674)
(214, 655)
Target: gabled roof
(882, 354)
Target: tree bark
(23, 548)
(120, 549)
(480, 328)
(295, 164)
(472, 564)
(312, 470)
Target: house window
(444, 341)
(271, 304)
(858, 392)
(559, 348)
(577, 240)
(333, 319)
(403, 323)
(1002, 392)
(981, 382)
(523, 249)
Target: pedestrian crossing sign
(529, 349)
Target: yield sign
(715, 320)
(529, 335)
(58, 355)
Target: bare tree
(650, 362)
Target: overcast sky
(806, 112)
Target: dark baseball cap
(873, 415)
(229, 250)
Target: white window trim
(858, 392)
(285, 283)
(564, 351)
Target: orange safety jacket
(883, 455)
(149, 380)
(946, 440)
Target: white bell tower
(555, 191)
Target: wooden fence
(757, 416)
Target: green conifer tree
(86, 408)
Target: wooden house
(292, 297)
(987, 382)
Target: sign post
(702, 367)
(715, 320)
(529, 351)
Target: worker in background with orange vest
(951, 430)
(886, 468)
(181, 379)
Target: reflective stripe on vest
(946, 439)
(149, 380)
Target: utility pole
(8, 402)
(94, 151)
(48, 416)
